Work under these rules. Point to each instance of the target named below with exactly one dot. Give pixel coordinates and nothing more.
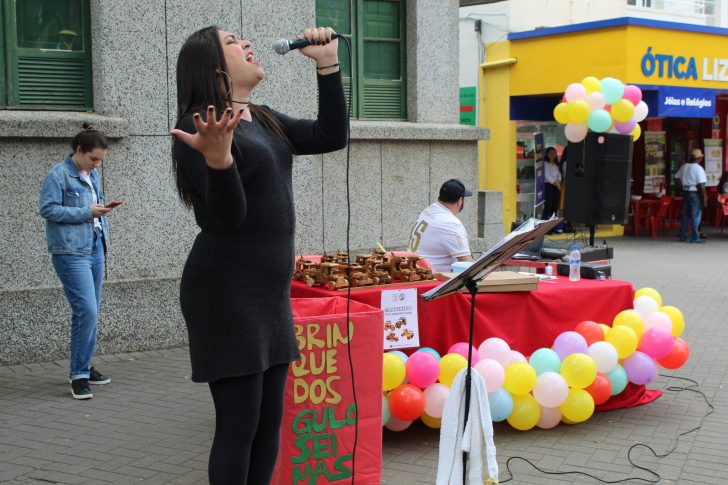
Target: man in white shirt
(438, 235)
(692, 178)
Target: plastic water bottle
(575, 264)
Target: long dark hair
(545, 155)
(89, 139)
(200, 60)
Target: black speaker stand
(472, 286)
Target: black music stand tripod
(497, 255)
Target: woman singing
(233, 162)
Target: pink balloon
(395, 424)
(423, 369)
(461, 348)
(493, 374)
(575, 91)
(658, 319)
(435, 397)
(551, 390)
(596, 100)
(550, 417)
(516, 356)
(625, 127)
(633, 94)
(608, 107)
(657, 342)
(496, 349)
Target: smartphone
(114, 204)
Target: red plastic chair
(723, 214)
(675, 213)
(659, 220)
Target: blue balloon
(399, 354)
(599, 120)
(618, 378)
(428, 349)
(545, 360)
(612, 89)
(386, 413)
(501, 404)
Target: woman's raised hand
(213, 138)
(324, 49)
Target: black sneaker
(97, 378)
(80, 389)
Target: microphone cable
(655, 476)
(349, 326)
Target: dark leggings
(551, 203)
(249, 411)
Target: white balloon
(395, 424)
(646, 304)
(640, 111)
(496, 349)
(604, 355)
(657, 319)
(596, 100)
(516, 356)
(576, 132)
(551, 390)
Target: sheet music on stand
(513, 243)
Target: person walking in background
(692, 178)
(233, 162)
(72, 203)
(552, 174)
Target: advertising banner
(538, 155)
(655, 143)
(713, 157)
(401, 327)
(467, 106)
(686, 102)
(321, 417)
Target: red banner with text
(321, 418)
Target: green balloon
(612, 89)
(545, 360)
(618, 378)
(386, 413)
(599, 120)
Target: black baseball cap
(452, 190)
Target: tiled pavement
(153, 425)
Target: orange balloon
(678, 356)
(600, 390)
(591, 331)
(407, 402)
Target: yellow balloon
(579, 111)
(605, 329)
(526, 412)
(636, 132)
(561, 113)
(520, 378)
(678, 322)
(592, 85)
(579, 370)
(631, 319)
(566, 420)
(624, 339)
(579, 406)
(394, 372)
(450, 365)
(649, 292)
(434, 423)
(622, 110)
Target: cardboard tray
(504, 281)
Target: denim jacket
(64, 204)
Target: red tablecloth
(527, 320)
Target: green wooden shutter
(340, 16)
(49, 56)
(383, 60)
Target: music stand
(514, 242)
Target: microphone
(284, 46)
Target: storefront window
(525, 163)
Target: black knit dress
(235, 290)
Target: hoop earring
(230, 87)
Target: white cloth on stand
(476, 439)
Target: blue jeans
(691, 213)
(81, 277)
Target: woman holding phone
(233, 162)
(72, 203)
